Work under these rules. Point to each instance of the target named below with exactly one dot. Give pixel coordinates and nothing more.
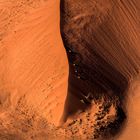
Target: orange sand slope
(132, 128)
(33, 60)
(34, 75)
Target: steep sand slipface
(34, 69)
(132, 128)
(34, 74)
(102, 42)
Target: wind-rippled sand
(34, 81)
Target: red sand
(34, 77)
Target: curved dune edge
(33, 93)
(132, 128)
(34, 70)
(102, 43)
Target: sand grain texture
(34, 69)
(39, 89)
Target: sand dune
(34, 67)
(132, 127)
(102, 43)
(58, 82)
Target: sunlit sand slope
(33, 62)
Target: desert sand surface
(41, 97)
(102, 42)
(34, 68)
(132, 128)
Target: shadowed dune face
(101, 39)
